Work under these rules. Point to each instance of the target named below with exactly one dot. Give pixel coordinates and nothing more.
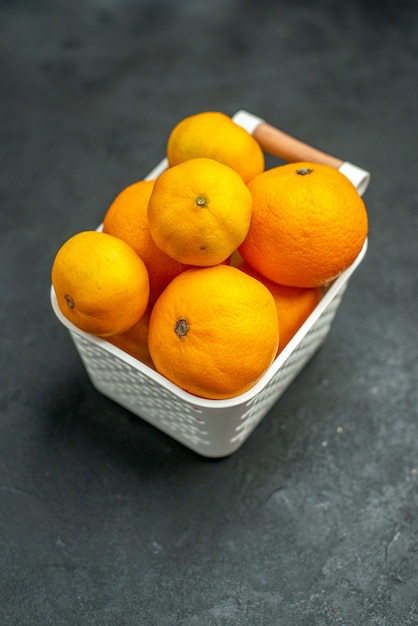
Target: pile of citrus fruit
(206, 273)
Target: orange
(294, 304)
(101, 284)
(135, 340)
(308, 224)
(214, 331)
(214, 135)
(199, 211)
(127, 219)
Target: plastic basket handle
(290, 149)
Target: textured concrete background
(103, 519)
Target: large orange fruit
(294, 304)
(308, 224)
(199, 211)
(214, 135)
(101, 284)
(127, 219)
(214, 331)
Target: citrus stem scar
(70, 302)
(303, 171)
(181, 327)
(201, 201)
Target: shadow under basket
(212, 428)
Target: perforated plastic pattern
(211, 428)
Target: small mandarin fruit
(127, 219)
(101, 284)
(214, 331)
(294, 304)
(135, 340)
(214, 135)
(308, 224)
(199, 212)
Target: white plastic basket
(212, 428)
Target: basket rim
(331, 291)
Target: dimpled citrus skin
(214, 331)
(214, 135)
(294, 304)
(199, 212)
(101, 284)
(127, 219)
(308, 224)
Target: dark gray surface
(103, 519)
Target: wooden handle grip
(292, 150)
(289, 148)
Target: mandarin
(214, 135)
(127, 219)
(199, 211)
(294, 304)
(308, 224)
(214, 331)
(101, 284)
